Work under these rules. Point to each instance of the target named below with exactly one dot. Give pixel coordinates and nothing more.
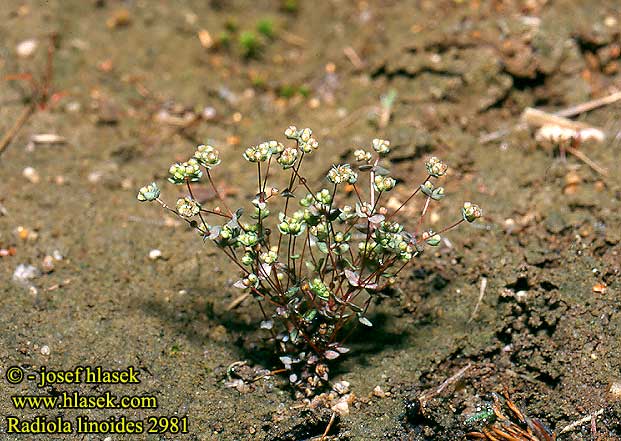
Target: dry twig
(426, 396)
(586, 419)
(481, 294)
(568, 112)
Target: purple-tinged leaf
(331, 355)
(377, 218)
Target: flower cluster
(436, 167)
(148, 193)
(207, 156)
(293, 225)
(189, 171)
(308, 268)
(288, 157)
(343, 173)
(389, 239)
(471, 212)
(188, 207)
(304, 137)
(384, 183)
(263, 151)
(381, 146)
(362, 155)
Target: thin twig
(568, 112)
(481, 294)
(23, 118)
(237, 301)
(325, 433)
(353, 57)
(292, 39)
(427, 396)
(581, 421)
(269, 374)
(584, 158)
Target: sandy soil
(548, 326)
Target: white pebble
(341, 387)
(155, 254)
(378, 392)
(23, 273)
(342, 407)
(26, 48)
(615, 390)
(31, 174)
(94, 177)
(45, 350)
(48, 138)
(48, 264)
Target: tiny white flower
(381, 146)
(188, 207)
(343, 173)
(362, 155)
(435, 167)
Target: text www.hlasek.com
(74, 400)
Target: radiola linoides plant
(316, 265)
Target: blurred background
(99, 97)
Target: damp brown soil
(548, 326)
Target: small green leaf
(293, 335)
(324, 295)
(323, 247)
(310, 315)
(292, 291)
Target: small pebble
(45, 350)
(10, 251)
(155, 254)
(73, 107)
(509, 225)
(209, 113)
(572, 182)
(615, 390)
(23, 273)
(48, 264)
(378, 392)
(26, 48)
(341, 387)
(341, 407)
(119, 18)
(94, 177)
(205, 38)
(32, 175)
(25, 234)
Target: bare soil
(549, 323)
